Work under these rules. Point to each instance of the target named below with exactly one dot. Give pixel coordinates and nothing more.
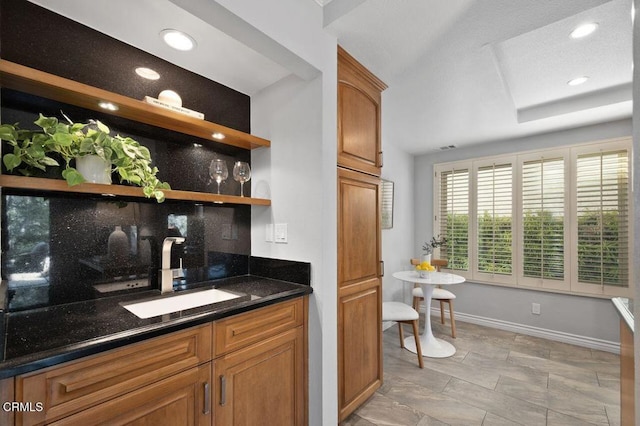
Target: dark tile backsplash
(56, 247)
(285, 270)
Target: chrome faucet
(166, 273)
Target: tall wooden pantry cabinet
(359, 250)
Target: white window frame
(594, 288)
(477, 165)
(447, 167)
(569, 284)
(565, 284)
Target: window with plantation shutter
(602, 223)
(543, 221)
(494, 219)
(453, 217)
(557, 219)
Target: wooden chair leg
(453, 320)
(442, 312)
(418, 347)
(401, 334)
(416, 303)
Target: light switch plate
(268, 229)
(281, 233)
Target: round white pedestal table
(431, 347)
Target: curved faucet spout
(166, 250)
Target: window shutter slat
(543, 211)
(454, 218)
(603, 218)
(494, 219)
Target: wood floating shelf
(24, 79)
(59, 185)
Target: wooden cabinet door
(262, 384)
(177, 400)
(360, 345)
(359, 99)
(359, 290)
(359, 248)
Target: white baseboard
(558, 336)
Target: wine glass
(242, 174)
(218, 171)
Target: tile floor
(495, 378)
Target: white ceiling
(217, 56)
(459, 72)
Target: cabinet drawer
(81, 384)
(177, 400)
(244, 329)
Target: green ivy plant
(33, 149)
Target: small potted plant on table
(429, 246)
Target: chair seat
(398, 311)
(438, 293)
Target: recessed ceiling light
(108, 105)
(147, 73)
(577, 81)
(584, 30)
(177, 39)
(218, 136)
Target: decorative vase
(426, 258)
(118, 245)
(94, 169)
(424, 274)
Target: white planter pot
(426, 258)
(424, 274)
(94, 169)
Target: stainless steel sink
(178, 302)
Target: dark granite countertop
(48, 336)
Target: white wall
(592, 318)
(636, 197)
(298, 174)
(397, 242)
(290, 114)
